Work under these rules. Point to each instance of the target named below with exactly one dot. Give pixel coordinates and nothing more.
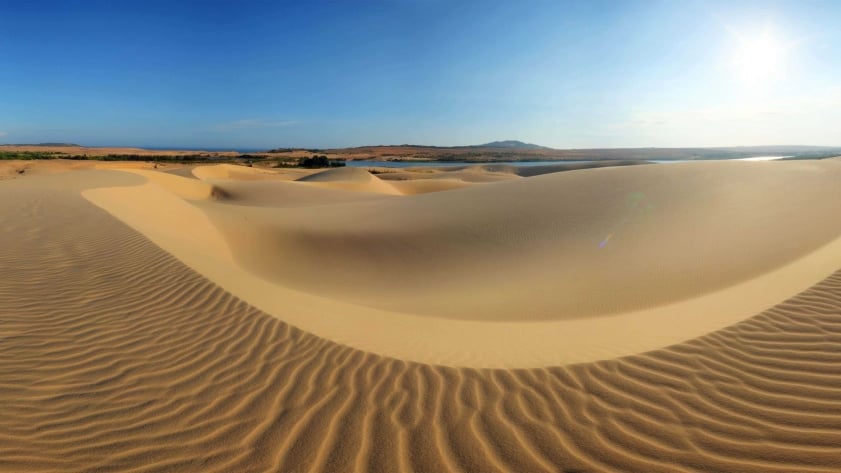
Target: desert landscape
(401, 236)
(649, 317)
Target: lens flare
(636, 203)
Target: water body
(763, 158)
(438, 164)
(426, 164)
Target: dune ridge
(352, 179)
(536, 287)
(114, 356)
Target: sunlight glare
(758, 58)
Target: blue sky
(248, 74)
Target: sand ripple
(114, 356)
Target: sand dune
(475, 174)
(353, 179)
(74, 150)
(425, 186)
(546, 270)
(245, 173)
(571, 235)
(10, 169)
(115, 356)
(480, 173)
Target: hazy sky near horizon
(566, 74)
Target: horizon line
(307, 148)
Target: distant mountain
(44, 144)
(509, 144)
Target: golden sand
(237, 319)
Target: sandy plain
(681, 317)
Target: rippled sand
(127, 344)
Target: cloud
(252, 124)
(3, 133)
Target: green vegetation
(27, 155)
(319, 161)
(313, 162)
(285, 164)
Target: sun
(758, 57)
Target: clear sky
(566, 74)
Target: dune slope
(352, 179)
(546, 270)
(114, 356)
(556, 246)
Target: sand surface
(700, 303)
(553, 269)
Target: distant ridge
(509, 144)
(45, 144)
(506, 144)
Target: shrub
(319, 161)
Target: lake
(409, 164)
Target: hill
(509, 144)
